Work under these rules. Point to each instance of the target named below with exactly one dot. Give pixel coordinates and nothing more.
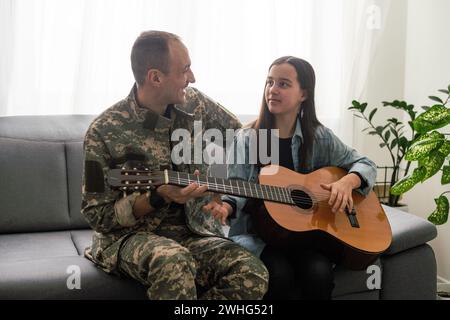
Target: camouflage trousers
(177, 264)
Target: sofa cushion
(40, 172)
(410, 274)
(47, 278)
(408, 231)
(46, 128)
(30, 246)
(33, 184)
(81, 239)
(38, 266)
(74, 154)
(350, 281)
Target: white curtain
(72, 56)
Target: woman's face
(283, 93)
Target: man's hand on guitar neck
(341, 192)
(170, 194)
(219, 210)
(182, 195)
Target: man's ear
(154, 77)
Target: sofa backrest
(40, 172)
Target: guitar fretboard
(233, 187)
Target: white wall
(412, 62)
(427, 69)
(385, 81)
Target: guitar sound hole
(301, 199)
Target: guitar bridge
(352, 217)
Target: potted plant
(429, 150)
(392, 136)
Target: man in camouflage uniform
(162, 237)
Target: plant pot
(443, 291)
(382, 190)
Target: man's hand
(182, 195)
(341, 192)
(219, 210)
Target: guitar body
(311, 223)
(290, 210)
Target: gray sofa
(43, 235)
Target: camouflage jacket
(127, 132)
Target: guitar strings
(227, 187)
(296, 198)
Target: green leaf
(363, 107)
(403, 142)
(426, 108)
(445, 148)
(379, 130)
(372, 114)
(445, 179)
(409, 181)
(424, 145)
(444, 91)
(387, 135)
(358, 116)
(395, 133)
(436, 117)
(394, 121)
(382, 145)
(433, 163)
(437, 99)
(393, 143)
(355, 103)
(440, 215)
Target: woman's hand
(219, 210)
(341, 192)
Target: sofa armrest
(408, 231)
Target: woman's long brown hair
(308, 119)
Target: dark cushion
(46, 128)
(37, 245)
(47, 279)
(33, 184)
(38, 266)
(40, 172)
(74, 153)
(408, 231)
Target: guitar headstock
(130, 180)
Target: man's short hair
(151, 51)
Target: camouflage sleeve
(216, 115)
(103, 208)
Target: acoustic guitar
(295, 209)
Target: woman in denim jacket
(304, 146)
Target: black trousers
(298, 274)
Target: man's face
(180, 74)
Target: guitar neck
(231, 187)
